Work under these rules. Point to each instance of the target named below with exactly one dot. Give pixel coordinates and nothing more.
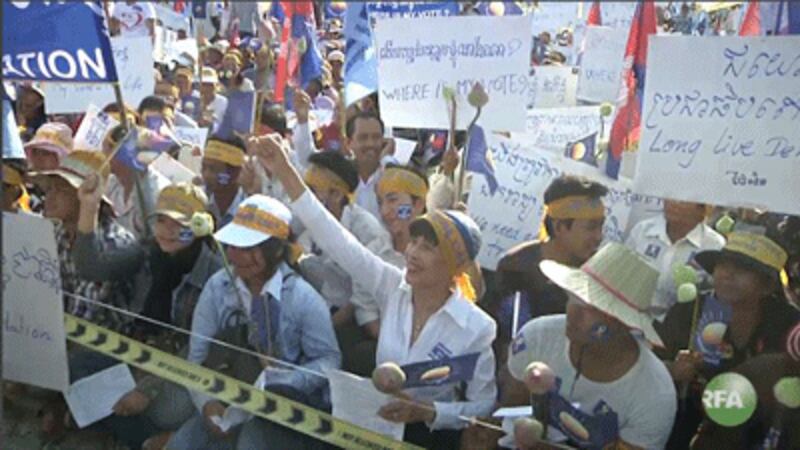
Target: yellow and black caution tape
(275, 408)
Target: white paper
(92, 398)
(403, 150)
(356, 400)
(554, 87)
(94, 127)
(133, 58)
(514, 411)
(601, 64)
(720, 123)
(417, 59)
(34, 343)
(554, 128)
(172, 169)
(231, 418)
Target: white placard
(164, 39)
(417, 59)
(552, 16)
(174, 171)
(617, 15)
(193, 136)
(512, 215)
(191, 156)
(601, 64)
(93, 398)
(554, 87)
(134, 60)
(171, 19)
(554, 128)
(728, 134)
(94, 127)
(355, 400)
(34, 343)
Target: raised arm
(375, 275)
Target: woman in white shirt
(425, 307)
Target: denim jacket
(305, 334)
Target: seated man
(283, 317)
(608, 381)
(670, 239)
(221, 166)
(572, 230)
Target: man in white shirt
(365, 140)
(212, 104)
(673, 239)
(133, 19)
(610, 384)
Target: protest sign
(133, 58)
(171, 19)
(554, 128)
(382, 10)
(550, 17)
(725, 134)
(64, 41)
(94, 127)
(193, 136)
(34, 343)
(418, 59)
(553, 87)
(617, 15)
(601, 64)
(512, 215)
(162, 44)
(172, 169)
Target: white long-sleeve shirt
(459, 327)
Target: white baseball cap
(257, 219)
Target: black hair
(350, 127)
(566, 186)
(277, 251)
(338, 164)
(152, 103)
(422, 228)
(274, 116)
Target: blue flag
(311, 60)
(240, 115)
(361, 64)
(56, 42)
(12, 144)
(478, 157)
(583, 150)
(141, 146)
(199, 9)
(453, 370)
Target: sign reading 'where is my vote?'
(57, 41)
(419, 58)
(721, 121)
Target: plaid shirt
(111, 235)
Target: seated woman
(169, 273)
(268, 308)
(427, 310)
(749, 306)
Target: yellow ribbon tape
(272, 407)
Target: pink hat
(52, 136)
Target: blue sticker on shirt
(437, 372)
(596, 430)
(714, 311)
(652, 250)
(186, 235)
(440, 351)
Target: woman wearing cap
(169, 273)
(747, 309)
(283, 317)
(427, 312)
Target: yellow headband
(401, 180)
(12, 176)
(758, 247)
(227, 153)
(450, 242)
(576, 207)
(322, 179)
(255, 219)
